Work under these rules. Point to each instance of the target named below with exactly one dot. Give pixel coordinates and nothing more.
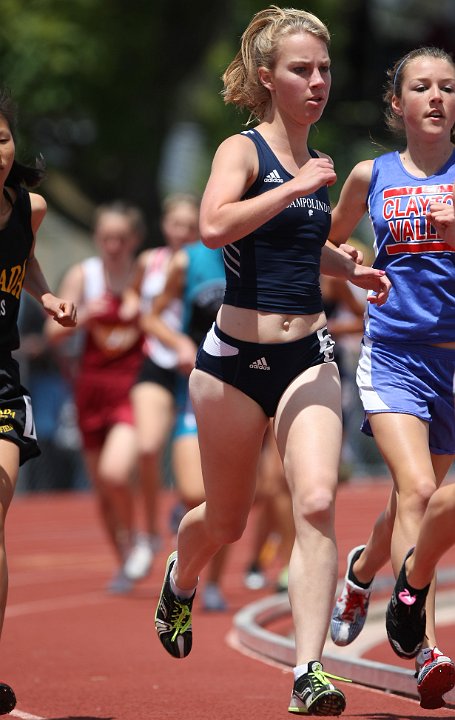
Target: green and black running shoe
(314, 694)
(173, 617)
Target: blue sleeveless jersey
(204, 289)
(276, 268)
(421, 267)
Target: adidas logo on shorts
(273, 177)
(260, 364)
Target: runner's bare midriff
(262, 327)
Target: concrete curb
(250, 625)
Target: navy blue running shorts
(262, 371)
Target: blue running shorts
(262, 371)
(410, 379)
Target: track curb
(250, 625)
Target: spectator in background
(196, 279)
(344, 307)
(153, 393)
(110, 358)
(273, 531)
(48, 377)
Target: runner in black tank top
(21, 214)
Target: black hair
(20, 174)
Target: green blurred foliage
(101, 83)
(97, 83)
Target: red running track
(72, 652)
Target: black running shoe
(314, 694)
(7, 699)
(406, 616)
(173, 617)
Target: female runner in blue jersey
(269, 354)
(407, 364)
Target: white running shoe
(140, 559)
(350, 611)
(254, 578)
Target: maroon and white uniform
(110, 360)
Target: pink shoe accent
(406, 597)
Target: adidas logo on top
(260, 364)
(273, 177)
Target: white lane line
(25, 716)
(41, 578)
(49, 605)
